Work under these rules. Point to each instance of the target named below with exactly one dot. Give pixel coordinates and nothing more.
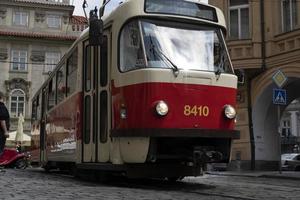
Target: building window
(51, 60)
(20, 18)
(286, 128)
(239, 19)
(289, 15)
(17, 102)
(18, 60)
(53, 21)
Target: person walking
(20, 133)
(4, 123)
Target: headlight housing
(123, 113)
(162, 108)
(229, 111)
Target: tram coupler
(202, 156)
(199, 159)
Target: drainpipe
(262, 69)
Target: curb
(256, 175)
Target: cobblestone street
(36, 184)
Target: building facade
(263, 38)
(34, 35)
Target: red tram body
(155, 99)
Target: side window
(72, 73)
(87, 68)
(111, 5)
(104, 64)
(34, 109)
(52, 93)
(131, 50)
(61, 83)
(39, 107)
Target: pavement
(293, 175)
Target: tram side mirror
(240, 73)
(96, 29)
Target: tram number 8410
(194, 110)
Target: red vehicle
(13, 158)
(149, 91)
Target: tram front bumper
(186, 133)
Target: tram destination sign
(181, 7)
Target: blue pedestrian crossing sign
(279, 96)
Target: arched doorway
(265, 115)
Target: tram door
(103, 100)
(95, 103)
(89, 96)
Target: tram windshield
(172, 45)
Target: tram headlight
(123, 113)
(229, 111)
(162, 108)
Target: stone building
(263, 38)
(34, 35)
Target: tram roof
(128, 9)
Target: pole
(279, 139)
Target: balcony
(245, 53)
(286, 42)
(284, 48)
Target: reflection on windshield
(186, 48)
(161, 46)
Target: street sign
(279, 79)
(279, 96)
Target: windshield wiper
(164, 57)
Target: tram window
(95, 117)
(95, 66)
(61, 83)
(131, 49)
(38, 109)
(87, 120)
(103, 116)
(34, 109)
(103, 65)
(52, 93)
(87, 68)
(201, 48)
(72, 73)
(111, 5)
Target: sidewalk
(294, 175)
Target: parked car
(290, 161)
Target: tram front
(174, 97)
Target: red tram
(148, 91)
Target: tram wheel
(21, 164)
(47, 168)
